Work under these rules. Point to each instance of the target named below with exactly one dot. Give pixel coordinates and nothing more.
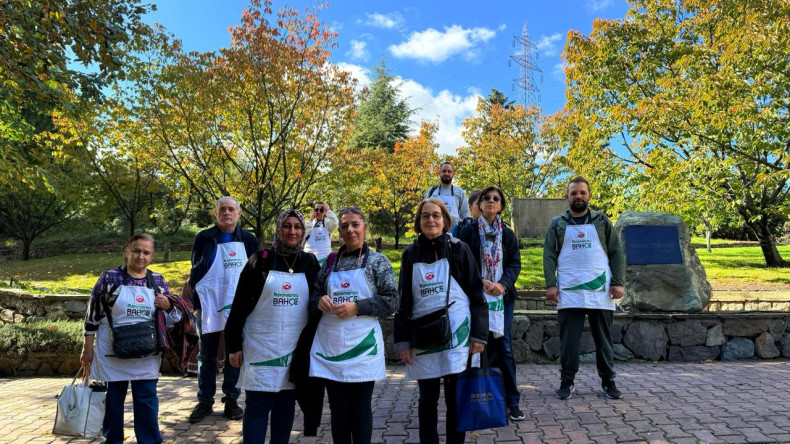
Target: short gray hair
(219, 201)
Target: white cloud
(358, 72)
(358, 50)
(547, 44)
(393, 20)
(598, 5)
(558, 72)
(436, 46)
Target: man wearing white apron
(584, 269)
(218, 256)
(453, 197)
(319, 230)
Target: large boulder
(764, 347)
(737, 348)
(663, 287)
(694, 353)
(784, 345)
(687, 333)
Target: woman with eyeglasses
(437, 270)
(495, 249)
(267, 317)
(352, 290)
(318, 231)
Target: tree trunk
(26, 248)
(768, 245)
(707, 239)
(397, 238)
(166, 257)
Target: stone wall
(20, 306)
(531, 217)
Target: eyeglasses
(319, 210)
(491, 198)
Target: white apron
(348, 350)
(429, 295)
(583, 270)
(272, 331)
(218, 286)
(449, 202)
(133, 305)
(319, 243)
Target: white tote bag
(80, 409)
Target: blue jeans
(146, 411)
(500, 355)
(207, 368)
(282, 406)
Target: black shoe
(232, 409)
(566, 390)
(609, 389)
(201, 410)
(515, 414)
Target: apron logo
(287, 286)
(139, 299)
(580, 235)
(345, 284)
(430, 276)
(232, 254)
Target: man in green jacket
(584, 268)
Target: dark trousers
(428, 410)
(146, 411)
(571, 322)
(499, 353)
(207, 368)
(258, 405)
(352, 415)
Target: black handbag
(134, 340)
(433, 329)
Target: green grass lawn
(730, 268)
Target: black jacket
(204, 249)
(462, 268)
(511, 257)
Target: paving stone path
(663, 402)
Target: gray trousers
(571, 322)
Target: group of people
(300, 320)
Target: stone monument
(663, 272)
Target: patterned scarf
(490, 247)
(278, 245)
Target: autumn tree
(504, 148)
(399, 180)
(258, 120)
(688, 99)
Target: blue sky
(444, 53)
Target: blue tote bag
(480, 398)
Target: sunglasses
(319, 210)
(491, 198)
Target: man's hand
(406, 356)
(616, 291)
(236, 358)
(553, 294)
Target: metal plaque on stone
(652, 244)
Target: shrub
(61, 337)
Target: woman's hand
(325, 304)
(236, 358)
(346, 310)
(406, 356)
(493, 289)
(476, 347)
(86, 357)
(162, 302)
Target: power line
(528, 66)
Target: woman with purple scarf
(495, 249)
(131, 296)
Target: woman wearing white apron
(434, 261)
(126, 292)
(348, 350)
(266, 318)
(318, 231)
(495, 248)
